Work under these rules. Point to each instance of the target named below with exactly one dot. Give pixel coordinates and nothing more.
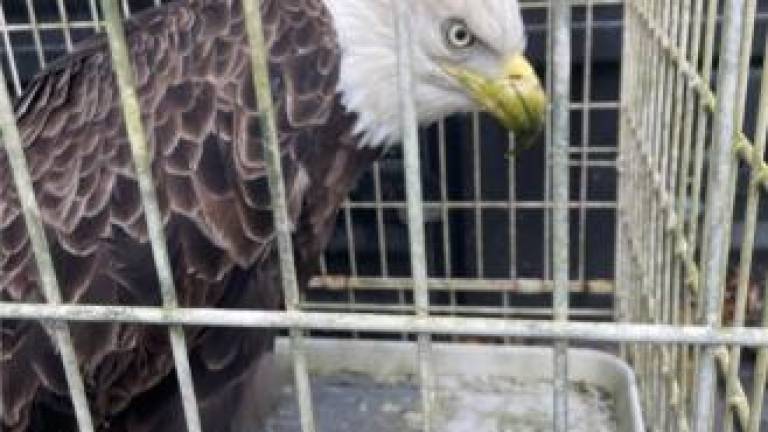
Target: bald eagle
(333, 68)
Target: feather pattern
(200, 111)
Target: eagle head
(467, 56)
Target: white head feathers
(368, 76)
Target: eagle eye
(458, 35)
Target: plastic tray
(372, 386)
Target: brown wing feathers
(199, 109)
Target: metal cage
(637, 224)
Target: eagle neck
(368, 70)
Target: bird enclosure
(636, 226)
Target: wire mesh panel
(687, 120)
(471, 195)
(489, 220)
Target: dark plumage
(199, 108)
(333, 73)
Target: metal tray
(372, 386)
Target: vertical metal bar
(657, 175)
(11, 141)
(718, 215)
(761, 134)
(351, 255)
(547, 212)
(684, 196)
(585, 144)
(674, 222)
(121, 64)
(681, 135)
(414, 201)
(446, 220)
(35, 29)
(641, 211)
(648, 153)
(651, 154)
(670, 137)
(477, 194)
(323, 264)
(444, 199)
(621, 245)
(9, 53)
(561, 93)
(702, 122)
(380, 230)
(513, 272)
(65, 24)
(735, 398)
(260, 69)
(95, 15)
(631, 188)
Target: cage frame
(650, 126)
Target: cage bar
(682, 261)
(9, 53)
(409, 124)
(384, 323)
(761, 136)
(121, 64)
(664, 268)
(454, 310)
(718, 215)
(517, 285)
(65, 24)
(585, 129)
(271, 144)
(35, 27)
(63, 339)
(561, 63)
(736, 400)
(95, 22)
(703, 123)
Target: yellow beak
(516, 99)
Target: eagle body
(200, 110)
(333, 71)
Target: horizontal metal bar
(458, 310)
(523, 286)
(377, 323)
(593, 149)
(594, 105)
(546, 3)
(75, 24)
(470, 205)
